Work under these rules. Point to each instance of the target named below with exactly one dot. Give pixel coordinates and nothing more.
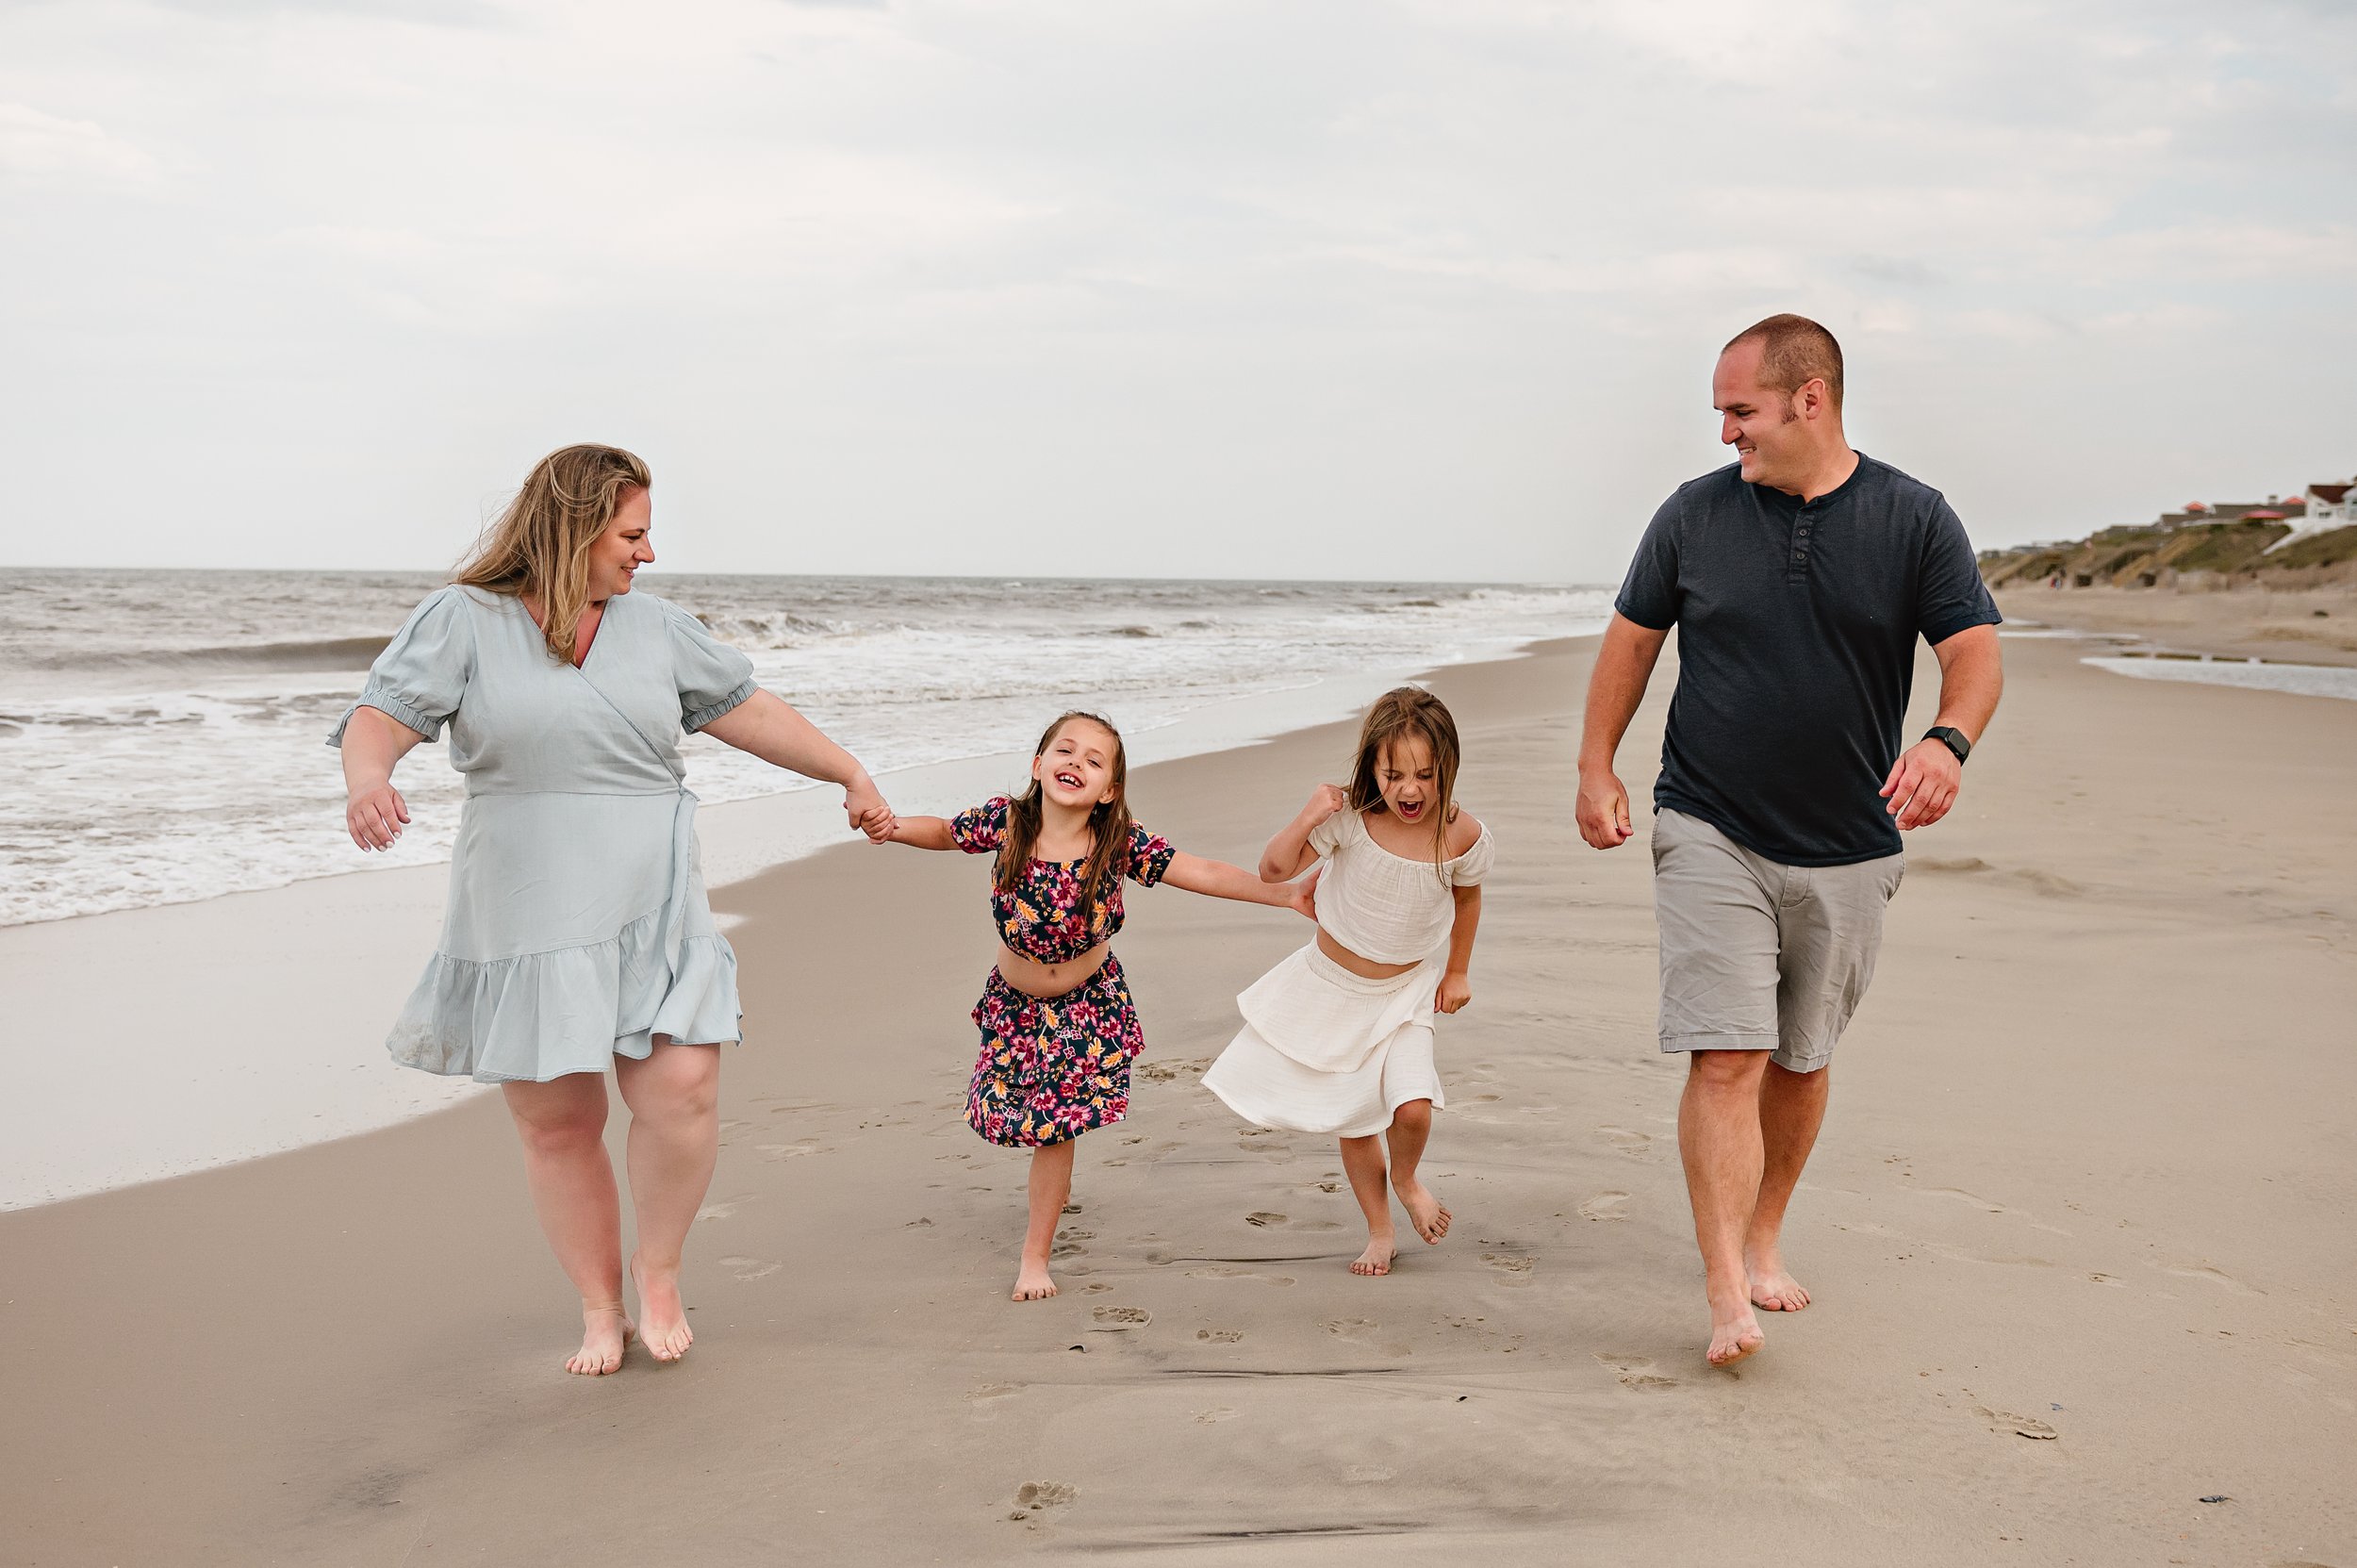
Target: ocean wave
(319, 653)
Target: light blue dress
(577, 927)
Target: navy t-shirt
(1796, 650)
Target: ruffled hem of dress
(538, 1016)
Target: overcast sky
(1372, 288)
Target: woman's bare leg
(1051, 1189)
(1362, 1160)
(1412, 1126)
(674, 1100)
(562, 1124)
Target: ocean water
(161, 731)
(2301, 680)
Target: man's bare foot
(1772, 1288)
(1431, 1219)
(1734, 1336)
(1377, 1258)
(1032, 1283)
(663, 1320)
(606, 1333)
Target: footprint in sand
(1092, 1290)
(793, 1151)
(1626, 1141)
(2105, 1279)
(729, 1130)
(1217, 1412)
(1112, 1319)
(1637, 1372)
(1221, 1271)
(1605, 1206)
(2020, 1426)
(982, 1393)
(1264, 1218)
(723, 1208)
(752, 1268)
(1329, 1186)
(1219, 1336)
(1349, 1327)
(1513, 1269)
(1038, 1496)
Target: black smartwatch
(1951, 738)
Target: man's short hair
(1794, 351)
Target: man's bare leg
(1791, 1109)
(1719, 1140)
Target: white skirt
(1324, 1050)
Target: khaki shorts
(1757, 955)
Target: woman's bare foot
(606, 1333)
(1377, 1258)
(663, 1319)
(1424, 1210)
(1734, 1334)
(1032, 1283)
(1771, 1287)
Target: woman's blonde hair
(1397, 713)
(539, 545)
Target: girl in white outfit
(1338, 1038)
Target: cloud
(34, 145)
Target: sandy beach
(2316, 625)
(2076, 1229)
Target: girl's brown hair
(1402, 712)
(1111, 822)
(539, 545)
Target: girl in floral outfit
(1059, 1030)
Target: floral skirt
(1053, 1067)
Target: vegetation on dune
(2150, 555)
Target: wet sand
(2294, 625)
(2076, 1231)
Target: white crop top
(1386, 908)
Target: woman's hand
(1454, 992)
(375, 815)
(1325, 802)
(864, 805)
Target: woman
(577, 933)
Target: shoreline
(2044, 1243)
(314, 947)
(2282, 625)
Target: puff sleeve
(1332, 833)
(979, 830)
(421, 676)
(1468, 869)
(712, 677)
(1150, 855)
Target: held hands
(1456, 990)
(1603, 811)
(375, 815)
(1922, 784)
(864, 805)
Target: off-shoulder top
(1044, 917)
(1386, 908)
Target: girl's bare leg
(674, 1100)
(1051, 1189)
(1362, 1160)
(1411, 1125)
(562, 1124)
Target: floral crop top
(1043, 917)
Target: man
(1799, 579)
